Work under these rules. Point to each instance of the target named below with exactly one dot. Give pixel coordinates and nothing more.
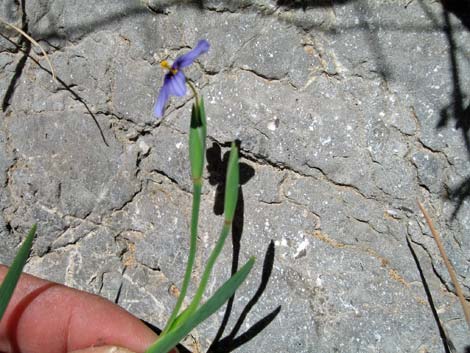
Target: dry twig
(28, 37)
(449, 266)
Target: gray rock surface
(347, 113)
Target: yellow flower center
(164, 64)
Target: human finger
(48, 317)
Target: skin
(43, 316)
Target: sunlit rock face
(347, 113)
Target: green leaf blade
(171, 339)
(11, 279)
(231, 185)
(196, 143)
(202, 116)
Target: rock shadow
(459, 109)
(306, 4)
(25, 45)
(55, 30)
(371, 33)
(461, 9)
(160, 7)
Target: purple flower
(174, 83)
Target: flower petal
(159, 107)
(177, 84)
(188, 58)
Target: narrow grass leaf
(196, 144)
(11, 279)
(231, 186)
(202, 116)
(197, 187)
(207, 272)
(231, 193)
(172, 338)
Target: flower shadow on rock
(217, 167)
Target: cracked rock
(430, 171)
(347, 112)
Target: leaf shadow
(231, 342)
(216, 166)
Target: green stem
(207, 272)
(196, 96)
(197, 187)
